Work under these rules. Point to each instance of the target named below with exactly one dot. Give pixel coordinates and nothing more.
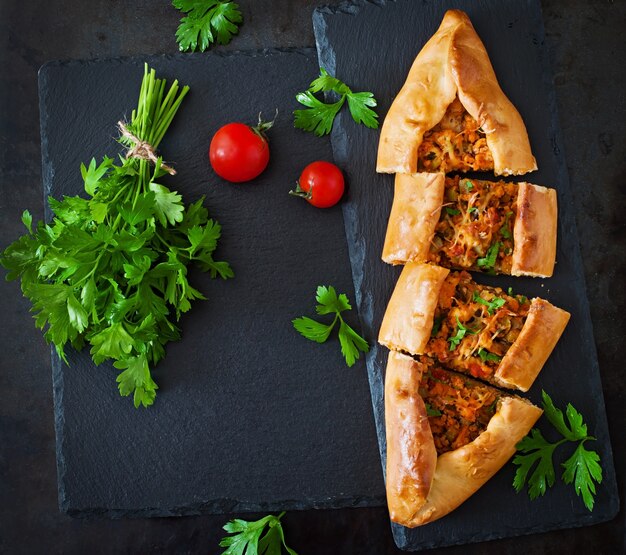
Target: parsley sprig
(329, 303)
(318, 116)
(246, 537)
(110, 271)
(582, 468)
(206, 22)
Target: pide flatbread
(504, 339)
(451, 114)
(472, 224)
(446, 436)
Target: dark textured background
(586, 47)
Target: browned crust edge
(413, 218)
(482, 97)
(454, 61)
(525, 358)
(411, 453)
(460, 473)
(408, 320)
(535, 231)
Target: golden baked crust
(458, 474)
(414, 215)
(535, 231)
(411, 453)
(453, 62)
(523, 361)
(408, 319)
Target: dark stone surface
(249, 415)
(585, 45)
(514, 31)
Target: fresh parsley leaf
(452, 211)
(461, 330)
(318, 116)
(351, 343)
(312, 329)
(206, 22)
(472, 210)
(486, 356)
(331, 303)
(582, 468)
(492, 305)
(248, 537)
(136, 379)
(360, 105)
(94, 173)
(27, 220)
(536, 450)
(468, 185)
(489, 261)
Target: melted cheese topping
(475, 325)
(459, 408)
(475, 229)
(456, 143)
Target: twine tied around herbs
(141, 149)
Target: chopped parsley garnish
(582, 468)
(452, 211)
(492, 305)
(461, 330)
(431, 411)
(329, 302)
(436, 325)
(504, 230)
(468, 185)
(489, 261)
(473, 210)
(318, 116)
(486, 356)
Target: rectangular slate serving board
(249, 416)
(371, 46)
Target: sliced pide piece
(473, 224)
(451, 114)
(482, 331)
(446, 436)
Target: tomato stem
(264, 126)
(300, 192)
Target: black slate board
(249, 415)
(371, 46)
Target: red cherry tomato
(239, 152)
(321, 184)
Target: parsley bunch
(318, 117)
(581, 469)
(110, 270)
(206, 22)
(329, 303)
(247, 537)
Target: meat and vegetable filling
(456, 143)
(475, 229)
(475, 325)
(458, 407)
